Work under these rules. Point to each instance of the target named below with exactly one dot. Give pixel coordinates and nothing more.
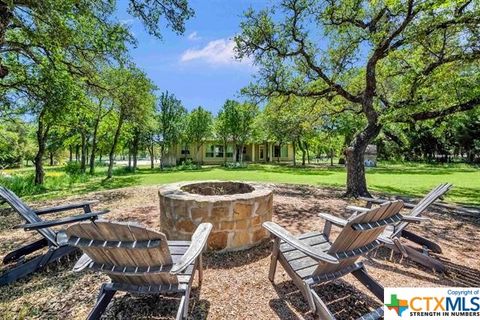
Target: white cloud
(217, 52)
(194, 36)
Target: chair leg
(23, 251)
(200, 269)
(421, 241)
(181, 307)
(274, 259)
(308, 294)
(34, 264)
(106, 294)
(425, 260)
(375, 287)
(187, 301)
(322, 310)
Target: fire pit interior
(236, 210)
(217, 188)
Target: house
(370, 157)
(213, 152)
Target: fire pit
(236, 210)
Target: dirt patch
(235, 284)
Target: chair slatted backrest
(423, 204)
(127, 252)
(360, 235)
(26, 212)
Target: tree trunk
(129, 157)
(302, 148)
(356, 182)
(331, 157)
(150, 152)
(136, 141)
(83, 159)
(294, 154)
(162, 156)
(224, 152)
(42, 133)
(70, 156)
(77, 152)
(94, 146)
(308, 152)
(5, 18)
(241, 152)
(114, 146)
(235, 151)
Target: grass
(409, 179)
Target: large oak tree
(389, 61)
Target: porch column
(253, 152)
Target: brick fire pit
(236, 210)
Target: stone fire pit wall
(236, 217)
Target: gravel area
(235, 284)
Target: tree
(199, 128)
(171, 122)
(222, 132)
(15, 143)
(79, 28)
(238, 123)
(389, 61)
(131, 99)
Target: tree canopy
(390, 61)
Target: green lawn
(405, 179)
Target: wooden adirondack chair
(50, 237)
(138, 260)
(312, 258)
(398, 230)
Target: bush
(20, 184)
(234, 165)
(72, 168)
(188, 165)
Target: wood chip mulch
(235, 284)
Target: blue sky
(198, 66)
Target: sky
(198, 66)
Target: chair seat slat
(82, 242)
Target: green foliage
(199, 127)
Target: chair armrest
(66, 207)
(199, 240)
(380, 201)
(333, 219)
(58, 222)
(373, 200)
(284, 235)
(412, 219)
(386, 240)
(355, 208)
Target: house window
(219, 151)
(276, 151)
(185, 151)
(280, 152)
(214, 151)
(229, 151)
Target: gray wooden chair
(312, 258)
(138, 260)
(50, 237)
(398, 230)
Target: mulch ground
(235, 284)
